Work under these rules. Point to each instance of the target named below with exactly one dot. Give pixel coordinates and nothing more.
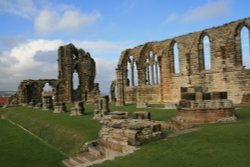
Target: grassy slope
(215, 145)
(66, 133)
(17, 148)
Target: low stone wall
(118, 134)
(198, 106)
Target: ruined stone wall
(29, 90)
(70, 60)
(227, 72)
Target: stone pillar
(59, 107)
(120, 87)
(78, 109)
(132, 74)
(101, 107)
(156, 73)
(152, 74)
(47, 102)
(105, 103)
(148, 74)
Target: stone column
(156, 73)
(152, 73)
(132, 74)
(148, 73)
(120, 87)
(105, 104)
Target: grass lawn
(214, 145)
(65, 133)
(222, 145)
(18, 148)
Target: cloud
(172, 17)
(210, 10)
(50, 21)
(36, 59)
(22, 8)
(101, 49)
(105, 70)
(46, 56)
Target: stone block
(218, 95)
(118, 115)
(206, 96)
(188, 96)
(142, 115)
(198, 96)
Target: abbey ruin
(154, 72)
(70, 60)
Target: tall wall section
(226, 72)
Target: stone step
(87, 157)
(69, 163)
(76, 160)
(97, 151)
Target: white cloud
(50, 21)
(23, 8)
(105, 49)
(25, 61)
(210, 10)
(105, 70)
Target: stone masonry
(148, 73)
(198, 106)
(118, 136)
(70, 60)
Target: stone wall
(198, 106)
(70, 60)
(227, 72)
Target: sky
(32, 30)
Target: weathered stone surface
(194, 108)
(116, 134)
(59, 107)
(70, 60)
(246, 98)
(142, 115)
(47, 100)
(78, 109)
(227, 72)
(101, 107)
(112, 92)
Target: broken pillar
(78, 109)
(59, 107)
(101, 107)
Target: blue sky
(32, 30)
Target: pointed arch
(204, 48)
(245, 46)
(132, 72)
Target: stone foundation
(197, 106)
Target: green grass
(65, 133)
(214, 145)
(18, 148)
(222, 145)
(157, 111)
